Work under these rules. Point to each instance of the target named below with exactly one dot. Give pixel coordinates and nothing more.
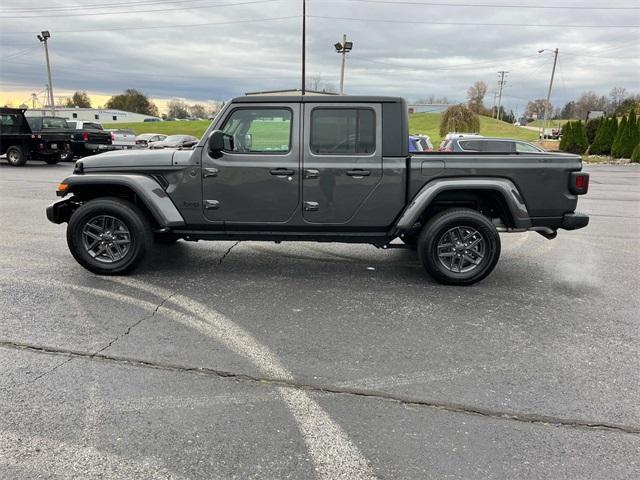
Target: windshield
(52, 122)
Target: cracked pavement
(320, 360)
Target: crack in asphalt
(227, 252)
(134, 325)
(126, 332)
(522, 417)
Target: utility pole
(343, 48)
(493, 108)
(546, 107)
(43, 37)
(501, 83)
(304, 44)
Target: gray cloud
(234, 51)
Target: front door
(256, 180)
(342, 161)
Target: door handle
(211, 204)
(358, 172)
(311, 173)
(281, 172)
(311, 206)
(210, 172)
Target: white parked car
(145, 140)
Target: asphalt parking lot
(304, 360)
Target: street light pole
(43, 37)
(546, 107)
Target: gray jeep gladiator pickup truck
(309, 168)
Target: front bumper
(574, 221)
(60, 211)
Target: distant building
(296, 91)
(101, 115)
(428, 107)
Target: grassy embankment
(424, 123)
(552, 123)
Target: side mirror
(216, 143)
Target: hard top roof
(12, 110)
(316, 99)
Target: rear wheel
(459, 247)
(109, 236)
(16, 156)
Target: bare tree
(475, 96)
(198, 111)
(617, 95)
(177, 109)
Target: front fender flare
(425, 196)
(146, 188)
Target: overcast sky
(215, 49)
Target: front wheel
(16, 156)
(459, 246)
(109, 236)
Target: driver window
(259, 130)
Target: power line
(500, 5)
(155, 27)
(20, 52)
(94, 6)
(404, 22)
(129, 12)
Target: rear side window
(343, 131)
(8, 120)
(471, 145)
(522, 147)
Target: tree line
(604, 136)
(135, 101)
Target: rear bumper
(60, 211)
(574, 221)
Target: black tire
(451, 230)
(16, 156)
(52, 159)
(131, 218)
(66, 156)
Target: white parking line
(333, 454)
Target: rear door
(342, 159)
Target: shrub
(574, 138)
(629, 138)
(604, 137)
(635, 156)
(566, 136)
(459, 118)
(615, 147)
(592, 127)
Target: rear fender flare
(425, 196)
(148, 190)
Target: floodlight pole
(43, 38)
(304, 46)
(344, 57)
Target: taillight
(579, 183)
(113, 137)
(85, 136)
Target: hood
(129, 158)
